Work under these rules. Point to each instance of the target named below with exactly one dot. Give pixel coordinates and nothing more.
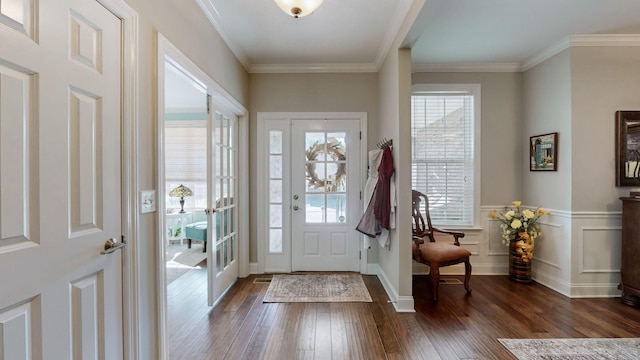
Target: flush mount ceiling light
(298, 8)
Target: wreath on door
(336, 152)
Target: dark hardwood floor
(457, 327)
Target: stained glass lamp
(181, 191)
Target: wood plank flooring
(457, 327)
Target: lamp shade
(298, 8)
(181, 191)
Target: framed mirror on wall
(627, 148)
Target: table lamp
(181, 191)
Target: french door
(60, 180)
(223, 271)
(312, 184)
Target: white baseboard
(253, 268)
(400, 303)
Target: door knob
(111, 246)
(295, 207)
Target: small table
(175, 226)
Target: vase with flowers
(519, 231)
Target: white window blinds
(186, 154)
(442, 130)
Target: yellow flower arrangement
(521, 226)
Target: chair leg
(188, 243)
(434, 274)
(467, 275)
(204, 246)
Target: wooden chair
(434, 253)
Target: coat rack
(385, 143)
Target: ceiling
(354, 35)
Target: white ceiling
(354, 35)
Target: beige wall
(394, 91)
(603, 80)
(501, 131)
(547, 109)
(344, 92)
(184, 24)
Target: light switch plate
(147, 201)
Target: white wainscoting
(578, 254)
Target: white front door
(309, 176)
(223, 271)
(60, 180)
(325, 183)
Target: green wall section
(186, 116)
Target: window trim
(475, 90)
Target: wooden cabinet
(630, 265)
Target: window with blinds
(186, 162)
(443, 153)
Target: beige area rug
(579, 349)
(317, 288)
(180, 259)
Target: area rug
(317, 288)
(180, 259)
(579, 349)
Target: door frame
(262, 195)
(165, 49)
(129, 175)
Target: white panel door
(325, 195)
(60, 182)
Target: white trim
(605, 40)
(312, 68)
(579, 40)
(212, 14)
(166, 51)
(244, 266)
(399, 18)
(545, 54)
(129, 147)
(403, 304)
(468, 67)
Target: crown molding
(479, 67)
(566, 43)
(214, 18)
(546, 53)
(406, 13)
(581, 40)
(312, 68)
(606, 40)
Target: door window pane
(325, 176)
(275, 192)
(336, 208)
(275, 241)
(314, 208)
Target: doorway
(198, 131)
(311, 195)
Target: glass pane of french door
(222, 264)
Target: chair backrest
(421, 224)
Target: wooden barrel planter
(519, 270)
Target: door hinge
(360, 135)
(360, 195)
(208, 104)
(360, 255)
